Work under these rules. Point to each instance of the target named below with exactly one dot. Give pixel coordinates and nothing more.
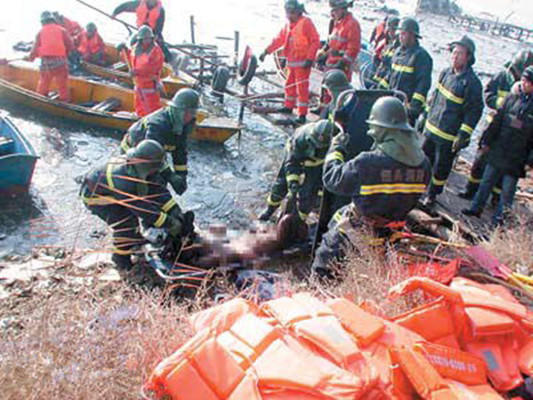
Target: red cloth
(345, 38)
(146, 16)
(73, 29)
(297, 89)
(89, 47)
(60, 75)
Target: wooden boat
(17, 159)
(95, 103)
(114, 69)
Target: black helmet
(522, 60)
(389, 112)
(528, 73)
(321, 133)
(467, 43)
(46, 16)
(410, 25)
(294, 5)
(147, 157)
(336, 80)
(185, 99)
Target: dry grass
(85, 346)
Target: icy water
(226, 183)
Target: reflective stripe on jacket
(300, 41)
(344, 41)
(51, 42)
(89, 46)
(147, 65)
(455, 106)
(498, 87)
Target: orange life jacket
(148, 65)
(146, 16)
(52, 43)
(89, 46)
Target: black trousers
(441, 158)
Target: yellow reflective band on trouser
(160, 220)
(168, 205)
(466, 128)
(438, 182)
(180, 167)
(335, 155)
(124, 144)
(436, 131)
(497, 190)
(313, 163)
(449, 94)
(421, 98)
(169, 147)
(392, 188)
(403, 68)
(109, 176)
(273, 203)
(320, 193)
(293, 178)
(473, 180)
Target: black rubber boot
(265, 215)
(122, 261)
(285, 110)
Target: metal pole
(236, 48)
(193, 39)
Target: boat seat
(109, 104)
(7, 146)
(121, 66)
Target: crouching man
(384, 183)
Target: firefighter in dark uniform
(123, 191)
(453, 112)
(384, 183)
(508, 143)
(170, 127)
(301, 171)
(495, 92)
(384, 52)
(335, 83)
(411, 68)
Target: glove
(460, 143)
(294, 187)
(282, 62)
(308, 63)
(121, 46)
(340, 142)
(178, 183)
(262, 56)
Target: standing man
(124, 191)
(495, 92)
(411, 68)
(385, 49)
(146, 63)
(508, 143)
(170, 127)
(92, 47)
(300, 41)
(72, 27)
(150, 13)
(384, 183)
(52, 45)
(454, 111)
(344, 41)
(301, 171)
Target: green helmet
(335, 80)
(185, 99)
(410, 25)
(91, 27)
(321, 133)
(145, 32)
(393, 22)
(293, 5)
(147, 157)
(522, 60)
(467, 43)
(334, 4)
(528, 73)
(46, 16)
(389, 112)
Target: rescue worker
(384, 52)
(335, 83)
(300, 41)
(495, 92)
(72, 27)
(453, 112)
(508, 143)
(52, 45)
(344, 41)
(301, 171)
(92, 47)
(411, 68)
(123, 190)
(384, 183)
(379, 31)
(170, 127)
(146, 63)
(150, 13)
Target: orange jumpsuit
(344, 43)
(52, 46)
(73, 29)
(92, 48)
(300, 42)
(146, 66)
